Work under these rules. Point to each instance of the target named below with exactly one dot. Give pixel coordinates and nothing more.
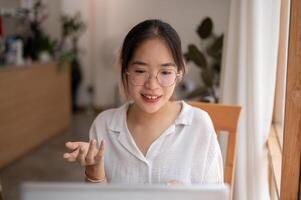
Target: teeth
(150, 96)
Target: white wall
(9, 4)
(110, 20)
(71, 7)
(52, 25)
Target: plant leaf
(201, 91)
(215, 50)
(204, 30)
(196, 56)
(217, 67)
(207, 76)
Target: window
(285, 155)
(275, 141)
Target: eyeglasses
(165, 77)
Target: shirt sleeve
(93, 133)
(214, 172)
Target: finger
(71, 156)
(99, 155)
(91, 152)
(81, 156)
(72, 145)
(66, 156)
(174, 182)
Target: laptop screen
(80, 191)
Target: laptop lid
(80, 191)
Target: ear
(181, 72)
(180, 76)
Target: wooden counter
(34, 106)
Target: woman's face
(151, 61)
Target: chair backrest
(224, 118)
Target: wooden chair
(224, 118)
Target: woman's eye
(139, 71)
(166, 72)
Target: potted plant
(208, 59)
(72, 28)
(38, 45)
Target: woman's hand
(174, 182)
(89, 156)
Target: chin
(151, 107)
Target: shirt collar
(118, 118)
(185, 116)
(117, 122)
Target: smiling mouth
(151, 98)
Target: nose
(152, 82)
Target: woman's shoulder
(197, 118)
(196, 113)
(108, 115)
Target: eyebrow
(138, 62)
(168, 64)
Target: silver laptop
(80, 191)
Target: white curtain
(248, 79)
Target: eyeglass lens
(165, 77)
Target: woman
(151, 139)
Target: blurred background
(58, 71)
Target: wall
(9, 4)
(52, 25)
(86, 43)
(110, 20)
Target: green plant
(39, 41)
(208, 59)
(72, 28)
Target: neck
(138, 116)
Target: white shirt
(188, 151)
